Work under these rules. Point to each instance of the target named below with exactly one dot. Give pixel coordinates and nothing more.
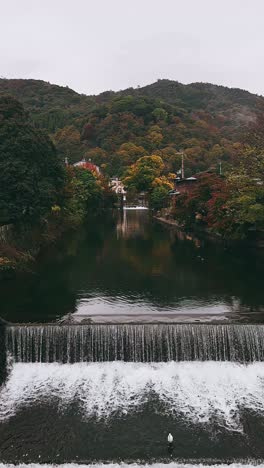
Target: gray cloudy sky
(97, 45)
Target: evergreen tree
(31, 174)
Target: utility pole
(181, 153)
(66, 160)
(182, 165)
(220, 168)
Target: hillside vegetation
(210, 123)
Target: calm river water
(133, 269)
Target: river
(134, 269)
(178, 348)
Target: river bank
(14, 256)
(256, 243)
(21, 246)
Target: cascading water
(196, 391)
(136, 343)
(69, 387)
(2, 353)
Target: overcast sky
(97, 45)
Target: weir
(136, 343)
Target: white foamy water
(197, 391)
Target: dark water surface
(135, 269)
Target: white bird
(170, 438)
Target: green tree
(160, 114)
(159, 197)
(246, 201)
(83, 195)
(31, 175)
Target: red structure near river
(87, 165)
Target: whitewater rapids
(195, 391)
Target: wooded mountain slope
(114, 129)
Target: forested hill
(114, 129)
(43, 97)
(224, 107)
(51, 106)
(200, 95)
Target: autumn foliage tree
(231, 206)
(141, 175)
(194, 205)
(146, 175)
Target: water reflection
(132, 224)
(135, 269)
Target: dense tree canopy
(31, 175)
(232, 206)
(67, 142)
(83, 194)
